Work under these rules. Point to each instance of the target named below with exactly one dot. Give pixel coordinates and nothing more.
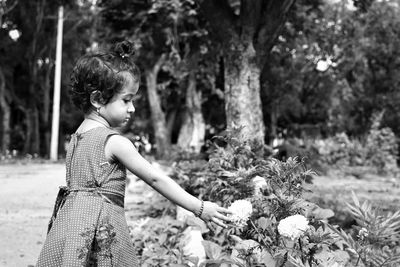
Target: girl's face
(120, 108)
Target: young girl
(88, 226)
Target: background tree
(31, 27)
(5, 69)
(369, 62)
(28, 63)
(150, 25)
(322, 65)
(170, 37)
(298, 79)
(321, 75)
(247, 31)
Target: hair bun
(124, 49)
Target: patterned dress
(88, 226)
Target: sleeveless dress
(88, 226)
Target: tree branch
(250, 13)
(221, 17)
(4, 10)
(161, 60)
(273, 17)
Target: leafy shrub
(375, 240)
(159, 242)
(340, 150)
(378, 150)
(382, 147)
(15, 157)
(267, 239)
(229, 175)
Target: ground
(27, 195)
(335, 188)
(28, 191)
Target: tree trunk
(273, 123)
(35, 147)
(248, 36)
(158, 120)
(32, 142)
(242, 90)
(191, 135)
(45, 114)
(5, 115)
(32, 138)
(28, 132)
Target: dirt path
(27, 195)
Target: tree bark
(242, 90)
(32, 141)
(45, 114)
(273, 123)
(192, 132)
(35, 148)
(158, 118)
(247, 39)
(5, 115)
(28, 132)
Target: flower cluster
(293, 226)
(241, 211)
(363, 233)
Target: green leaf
(213, 250)
(267, 259)
(263, 223)
(322, 214)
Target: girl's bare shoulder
(118, 141)
(118, 146)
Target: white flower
(293, 226)
(136, 227)
(363, 233)
(241, 211)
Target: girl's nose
(131, 108)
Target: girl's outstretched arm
(121, 149)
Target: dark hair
(104, 72)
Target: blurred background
(303, 70)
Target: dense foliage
(269, 236)
(330, 68)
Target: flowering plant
(241, 211)
(293, 226)
(271, 213)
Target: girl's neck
(98, 119)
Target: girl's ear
(96, 99)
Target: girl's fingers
(223, 217)
(210, 226)
(218, 222)
(224, 210)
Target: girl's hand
(212, 213)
